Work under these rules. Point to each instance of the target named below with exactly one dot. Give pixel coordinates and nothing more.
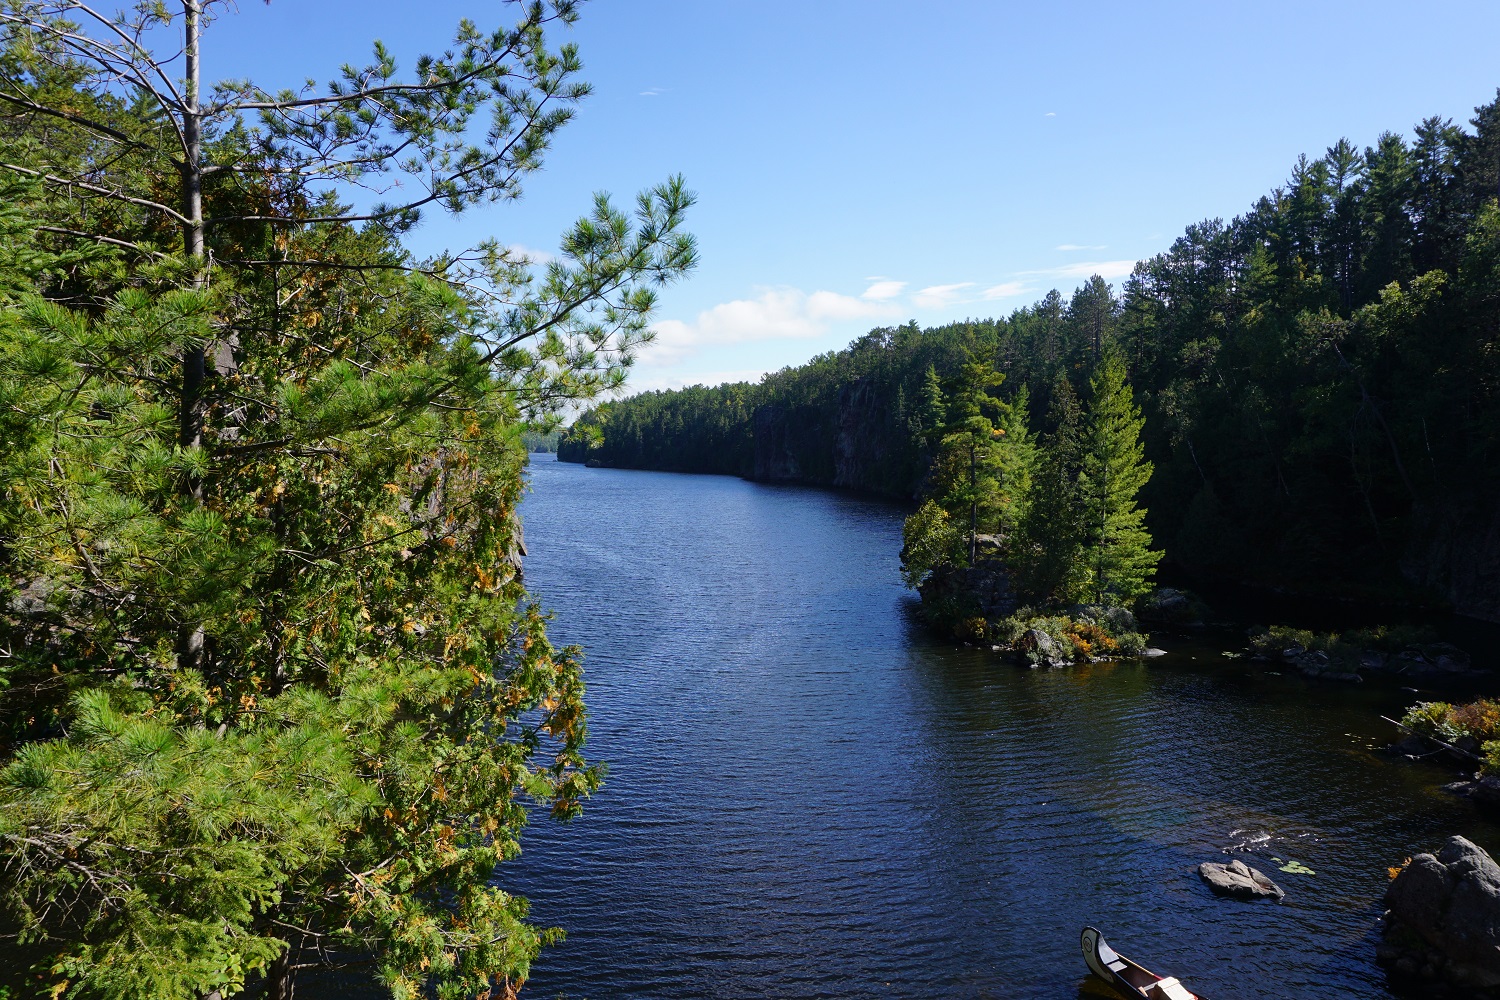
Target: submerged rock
(1238, 880)
(1444, 913)
(1484, 790)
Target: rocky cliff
(857, 442)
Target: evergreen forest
(1318, 380)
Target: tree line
(273, 695)
(1317, 377)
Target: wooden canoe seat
(1169, 989)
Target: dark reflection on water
(808, 797)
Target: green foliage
(932, 412)
(1083, 633)
(1344, 647)
(1116, 547)
(274, 692)
(1478, 720)
(1051, 570)
(929, 539)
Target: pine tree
(1115, 545)
(932, 412)
(274, 692)
(984, 459)
(980, 473)
(1047, 559)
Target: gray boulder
(1238, 880)
(1041, 650)
(1448, 905)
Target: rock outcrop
(1041, 650)
(1239, 880)
(1172, 607)
(951, 594)
(1454, 552)
(775, 460)
(1484, 790)
(1443, 919)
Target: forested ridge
(1318, 379)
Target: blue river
(807, 796)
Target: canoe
(1126, 976)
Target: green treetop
(980, 473)
(1116, 547)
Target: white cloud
(1106, 269)
(654, 92)
(938, 296)
(1051, 114)
(1005, 290)
(655, 382)
(778, 313)
(1076, 246)
(883, 289)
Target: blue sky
(864, 163)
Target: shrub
(1101, 631)
(1425, 717)
(1478, 720)
(1491, 751)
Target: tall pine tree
(1116, 551)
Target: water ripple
(809, 798)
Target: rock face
(1454, 551)
(979, 591)
(774, 459)
(861, 447)
(1444, 916)
(1238, 880)
(1172, 607)
(855, 440)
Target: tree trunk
(280, 982)
(190, 431)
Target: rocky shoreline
(1342, 660)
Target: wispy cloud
(938, 296)
(654, 92)
(777, 313)
(1106, 269)
(1078, 246)
(1005, 290)
(883, 289)
(1050, 114)
(533, 255)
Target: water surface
(809, 797)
